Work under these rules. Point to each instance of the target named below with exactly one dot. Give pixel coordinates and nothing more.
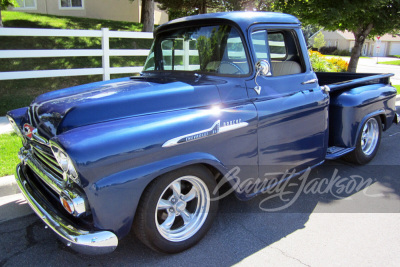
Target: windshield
(210, 49)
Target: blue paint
(114, 131)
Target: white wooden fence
(105, 52)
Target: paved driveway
(369, 65)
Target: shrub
(343, 53)
(322, 64)
(319, 40)
(327, 50)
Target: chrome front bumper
(80, 240)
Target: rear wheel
(176, 210)
(368, 142)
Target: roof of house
(386, 38)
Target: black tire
(364, 153)
(196, 184)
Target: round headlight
(63, 160)
(65, 163)
(71, 170)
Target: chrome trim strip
(42, 172)
(232, 127)
(82, 241)
(216, 128)
(38, 138)
(46, 159)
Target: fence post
(105, 46)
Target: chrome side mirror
(263, 68)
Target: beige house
(123, 10)
(387, 44)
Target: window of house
(26, 4)
(78, 4)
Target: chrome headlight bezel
(16, 129)
(65, 163)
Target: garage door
(394, 48)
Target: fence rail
(105, 52)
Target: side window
(281, 48)
(236, 53)
(277, 46)
(260, 45)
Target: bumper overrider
(80, 240)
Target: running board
(335, 152)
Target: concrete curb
(8, 186)
(5, 126)
(13, 205)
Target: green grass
(393, 62)
(19, 93)
(9, 147)
(397, 88)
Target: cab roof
(242, 18)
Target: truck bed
(338, 81)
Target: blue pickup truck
(217, 91)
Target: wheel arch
(130, 185)
(378, 113)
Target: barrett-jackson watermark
(289, 190)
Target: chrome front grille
(44, 155)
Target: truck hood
(59, 111)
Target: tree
(309, 31)
(364, 18)
(319, 40)
(182, 8)
(3, 6)
(147, 16)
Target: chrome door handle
(310, 81)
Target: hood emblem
(28, 130)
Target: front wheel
(176, 210)
(368, 142)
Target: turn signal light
(67, 204)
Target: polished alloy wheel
(369, 136)
(182, 208)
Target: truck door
(292, 109)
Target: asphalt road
(354, 223)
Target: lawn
(19, 93)
(9, 147)
(393, 62)
(397, 88)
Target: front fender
(114, 198)
(116, 160)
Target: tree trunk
(359, 38)
(203, 7)
(148, 15)
(142, 15)
(1, 20)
